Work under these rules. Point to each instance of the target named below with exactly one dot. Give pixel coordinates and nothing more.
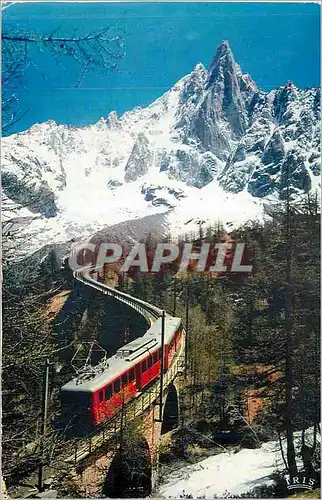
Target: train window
(131, 375)
(100, 396)
(117, 385)
(124, 379)
(150, 362)
(108, 392)
(155, 357)
(143, 366)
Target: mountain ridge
(214, 128)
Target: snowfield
(229, 472)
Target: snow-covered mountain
(212, 147)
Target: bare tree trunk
(289, 346)
(282, 451)
(317, 390)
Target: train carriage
(95, 399)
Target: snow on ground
(212, 204)
(90, 208)
(229, 472)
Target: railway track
(74, 450)
(82, 447)
(148, 311)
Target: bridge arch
(130, 472)
(170, 418)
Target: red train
(134, 366)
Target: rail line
(82, 447)
(76, 449)
(148, 311)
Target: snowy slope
(210, 148)
(224, 473)
(230, 473)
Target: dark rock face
(139, 160)
(274, 150)
(240, 153)
(114, 183)
(281, 136)
(294, 175)
(154, 194)
(261, 185)
(205, 128)
(314, 162)
(39, 199)
(249, 130)
(281, 102)
(190, 168)
(222, 94)
(225, 89)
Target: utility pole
(289, 338)
(174, 296)
(44, 411)
(162, 364)
(187, 332)
(122, 431)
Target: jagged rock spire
(222, 62)
(225, 95)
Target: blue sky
(274, 42)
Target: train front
(77, 408)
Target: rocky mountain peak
(199, 67)
(222, 63)
(112, 119)
(230, 90)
